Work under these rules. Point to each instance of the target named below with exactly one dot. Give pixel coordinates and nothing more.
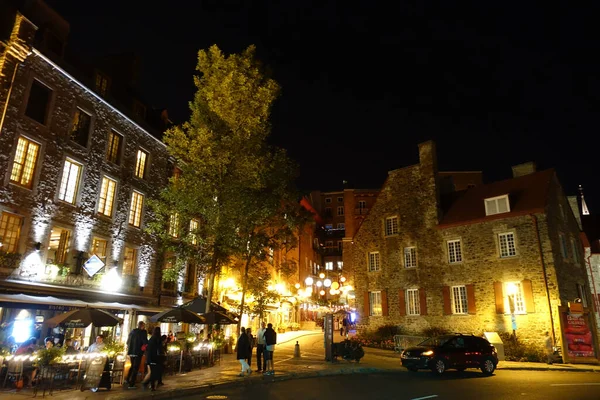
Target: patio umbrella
(178, 314)
(216, 317)
(198, 305)
(82, 318)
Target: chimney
(527, 168)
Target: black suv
(451, 351)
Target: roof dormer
(497, 205)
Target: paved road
(509, 385)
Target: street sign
(93, 265)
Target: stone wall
(40, 206)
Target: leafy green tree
(222, 153)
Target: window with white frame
(329, 265)
(340, 210)
(391, 226)
(507, 244)
(563, 245)
(514, 298)
(340, 199)
(410, 257)
(340, 265)
(107, 196)
(375, 303)
(459, 300)
(24, 163)
(412, 302)
(374, 264)
(328, 200)
(70, 181)
(454, 251)
(135, 209)
(497, 205)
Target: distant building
(429, 256)
(81, 156)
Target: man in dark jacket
(271, 341)
(136, 345)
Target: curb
(517, 368)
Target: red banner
(577, 335)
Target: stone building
(80, 157)
(429, 256)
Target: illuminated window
(135, 210)
(169, 264)
(193, 230)
(38, 102)
(113, 152)
(80, 131)
(99, 247)
(340, 264)
(516, 301)
(459, 300)
(410, 257)
(24, 163)
(391, 226)
(129, 261)
(70, 182)
(412, 302)
(10, 231)
(329, 265)
(375, 308)
(374, 264)
(454, 251)
(102, 84)
(58, 247)
(507, 244)
(107, 196)
(174, 225)
(497, 205)
(140, 164)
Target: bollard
(297, 350)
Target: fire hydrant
(297, 350)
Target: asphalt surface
(509, 385)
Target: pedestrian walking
(260, 348)
(251, 340)
(549, 346)
(154, 360)
(136, 345)
(345, 326)
(243, 352)
(270, 341)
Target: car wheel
(438, 366)
(488, 366)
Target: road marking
(287, 359)
(576, 384)
(426, 397)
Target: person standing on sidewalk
(243, 352)
(271, 341)
(251, 340)
(154, 360)
(136, 345)
(549, 348)
(260, 348)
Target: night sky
(493, 85)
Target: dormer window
(497, 205)
(102, 84)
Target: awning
(58, 304)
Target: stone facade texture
(412, 194)
(39, 206)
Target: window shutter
(367, 306)
(471, 299)
(498, 292)
(423, 301)
(402, 302)
(447, 304)
(384, 305)
(528, 293)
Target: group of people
(155, 350)
(265, 341)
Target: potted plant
(295, 326)
(46, 357)
(112, 347)
(281, 328)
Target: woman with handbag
(154, 359)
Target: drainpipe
(539, 243)
(12, 81)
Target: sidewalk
(311, 364)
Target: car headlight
(427, 353)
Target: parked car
(451, 351)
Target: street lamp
(308, 281)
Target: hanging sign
(93, 265)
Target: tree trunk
(244, 288)
(211, 284)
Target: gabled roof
(527, 194)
